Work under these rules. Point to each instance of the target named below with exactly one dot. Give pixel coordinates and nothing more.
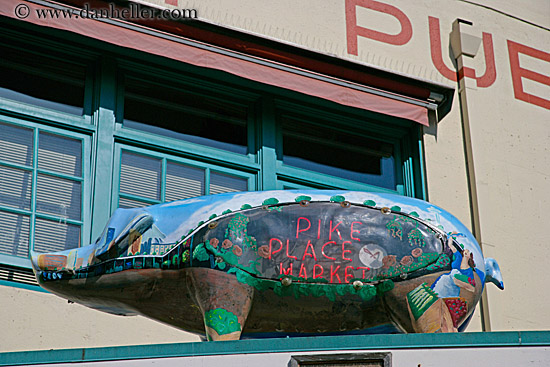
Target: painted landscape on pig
(280, 263)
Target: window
(41, 189)
(322, 148)
(148, 178)
(42, 81)
(186, 113)
(345, 152)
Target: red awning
(158, 43)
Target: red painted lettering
(435, 50)
(354, 231)
(344, 251)
(486, 80)
(315, 275)
(285, 271)
(514, 49)
(287, 254)
(353, 31)
(348, 275)
(271, 252)
(319, 230)
(333, 274)
(334, 229)
(364, 268)
(298, 230)
(306, 253)
(303, 273)
(323, 250)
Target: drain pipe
(464, 44)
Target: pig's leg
(224, 302)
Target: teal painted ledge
(306, 344)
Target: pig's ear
(492, 273)
(33, 256)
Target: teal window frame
(165, 157)
(182, 81)
(289, 177)
(32, 213)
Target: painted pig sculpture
(280, 263)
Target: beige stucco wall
(32, 320)
(511, 146)
(511, 155)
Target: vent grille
(18, 275)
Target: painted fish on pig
(280, 263)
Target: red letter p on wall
(514, 49)
(353, 30)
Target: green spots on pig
(222, 321)
(298, 289)
(337, 198)
(270, 201)
(302, 198)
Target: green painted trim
(86, 200)
(33, 189)
(117, 161)
(21, 262)
(163, 180)
(56, 218)
(15, 165)
(28, 287)
(284, 185)
(267, 144)
(104, 118)
(184, 148)
(27, 112)
(282, 345)
(88, 108)
(422, 167)
(207, 181)
(62, 175)
(417, 163)
(138, 198)
(13, 210)
(319, 180)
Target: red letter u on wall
(484, 81)
(353, 30)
